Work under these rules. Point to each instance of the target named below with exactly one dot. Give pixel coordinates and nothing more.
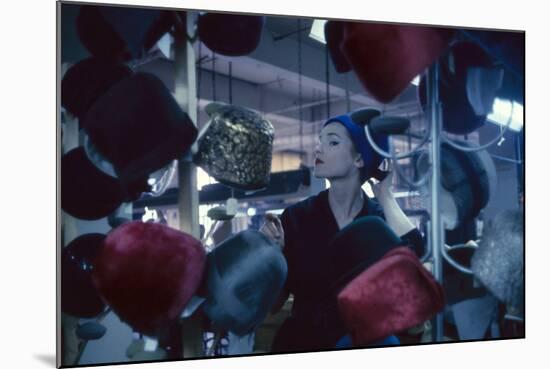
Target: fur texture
(148, 272)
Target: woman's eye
(333, 143)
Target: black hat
(244, 277)
(458, 114)
(139, 127)
(78, 293)
(357, 246)
(230, 34)
(89, 193)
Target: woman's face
(335, 154)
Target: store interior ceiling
(280, 84)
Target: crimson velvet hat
(458, 114)
(392, 295)
(244, 277)
(387, 57)
(147, 273)
(87, 80)
(230, 34)
(134, 129)
(78, 293)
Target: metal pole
(188, 196)
(436, 226)
(519, 166)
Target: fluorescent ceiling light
(318, 30)
(503, 110)
(416, 81)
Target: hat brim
(86, 192)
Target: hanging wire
(230, 83)
(485, 146)
(199, 82)
(300, 114)
(348, 100)
(213, 76)
(327, 80)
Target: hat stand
(437, 250)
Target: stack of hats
(133, 129)
(380, 285)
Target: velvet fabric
(86, 81)
(457, 113)
(334, 33)
(120, 33)
(147, 273)
(244, 277)
(390, 296)
(139, 127)
(387, 57)
(230, 34)
(79, 296)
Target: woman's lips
(318, 161)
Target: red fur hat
(392, 295)
(387, 57)
(147, 273)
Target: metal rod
(436, 226)
(188, 196)
(519, 167)
(278, 38)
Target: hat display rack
(436, 248)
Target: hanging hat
(244, 277)
(467, 179)
(356, 129)
(87, 192)
(147, 273)
(387, 57)
(235, 147)
(120, 33)
(139, 127)
(230, 34)
(334, 33)
(356, 247)
(87, 80)
(78, 294)
(457, 67)
(392, 295)
(498, 262)
(506, 46)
